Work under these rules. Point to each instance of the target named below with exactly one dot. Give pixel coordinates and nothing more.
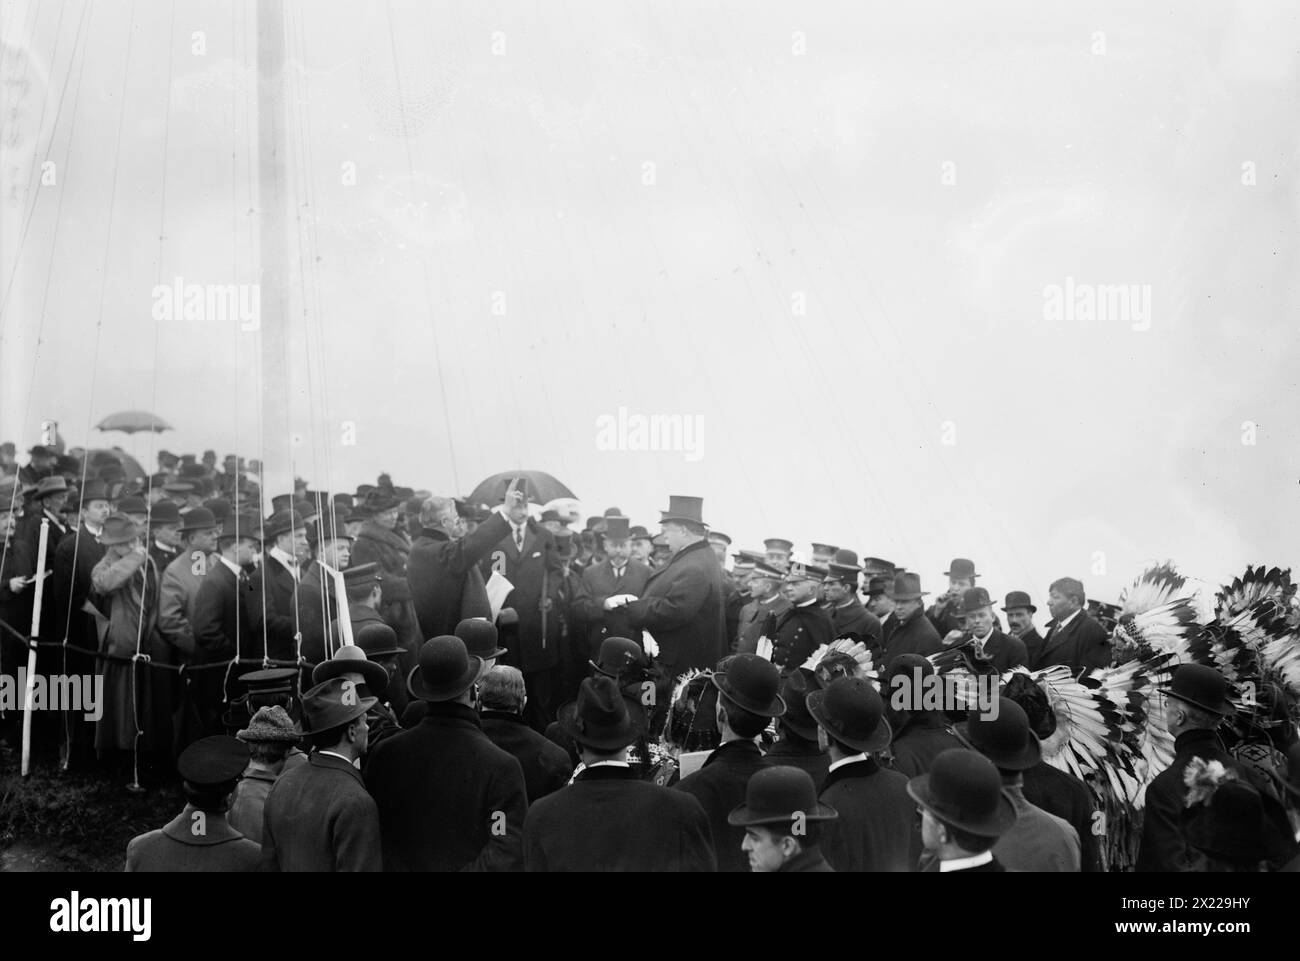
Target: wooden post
(29, 691)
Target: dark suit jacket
(449, 799)
(537, 574)
(854, 618)
(917, 636)
(809, 861)
(608, 820)
(221, 613)
(1033, 642)
(1064, 795)
(877, 828)
(799, 632)
(719, 786)
(922, 737)
(438, 567)
(684, 609)
(1083, 644)
(598, 581)
(794, 751)
(281, 592)
(753, 617)
(1006, 650)
(69, 587)
(319, 817)
(186, 843)
(546, 765)
(390, 550)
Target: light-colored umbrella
(133, 421)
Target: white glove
(764, 649)
(618, 600)
(649, 645)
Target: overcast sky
(853, 241)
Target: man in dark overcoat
(1073, 637)
(442, 561)
(765, 598)
(913, 633)
(502, 696)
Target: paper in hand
(498, 589)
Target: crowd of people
(391, 679)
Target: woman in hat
(136, 700)
(270, 735)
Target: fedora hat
(852, 712)
(616, 529)
(599, 718)
(480, 637)
(351, 659)
(751, 683)
(1017, 599)
(282, 522)
(879, 584)
(213, 761)
(683, 509)
(1200, 686)
(794, 692)
(617, 655)
(775, 795)
(907, 587)
(961, 567)
(270, 725)
(333, 703)
(964, 790)
(445, 670)
(118, 529)
(1006, 740)
(51, 485)
(975, 599)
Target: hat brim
(665, 518)
(375, 676)
(1021, 607)
(774, 708)
(420, 688)
(343, 717)
(1023, 760)
(742, 817)
(996, 825)
(1226, 710)
(602, 739)
(907, 597)
(805, 727)
(878, 740)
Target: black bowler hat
(617, 655)
(599, 718)
(350, 659)
(961, 567)
(323, 529)
(845, 556)
(616, 529)
(964, 790)
(1200, 686)
(683, 509)
(852, 712)
(776, 795)
(164, 512)
(794, 692)
(1006, 740)
(639, 533)
(974, 599)
(480, 637)
(752, 683)
(445, 670)
(213, 761)
(1017, 599)
(333, 703)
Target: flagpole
(29, 692)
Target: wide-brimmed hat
(1018, 599)
(118, 529)
(445, 670)
(1229, 825)
(351, 659)
(751, 683)
(907, 587)
(974, 599)
(55, 484)
(964, 790)
(1200, 686)
(778, 794)
(270, 725)
(599, 718)
(480, 636)
(212, 761)
(794, 692)
(961, 567)
(853, 713)
(1006, 740)
(333, 703)
(687, 509)
(617, 655)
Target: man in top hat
(605, 583)
(372, 678)
(991, 650)
(1196, 703)
(1020, 612)
(1037, 841)
(608, 819)
(777, 552)
(748, 699)
(911, 631)
(945, 613)
(765, 599)
(964, 810)
(1073, 637)
(270, 735)
(277, 582)
(319, 816)
(502, 696)
(804, 626)
(876, 828)
(449, 799)
(683, 605)
(200, 838)
(848, 615)
(796, 743)
(920, 735)
(784, 822)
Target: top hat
(241, 526)
(445, 670)
(616, 529)
(270, 725)
(51, 485)
(480, 637)
(803, 571)
(827, 549)
(94, 490)
(778, 544)
(333, 703)
(164, 512)
(1017, 599)
(213, 761)
(1006, 740)
(961, 567)
(683, 509)
(282, 522)
(719, 538)
(599, 718)
(1200, 686)
(281, 502)
(964, 790)
(974, 599)
(852, 712)
(1229, 826)
(794, 692)
(776, 795)
(351, 659)
(118, 529)
(907, 587)
(844, 573)
(617, 655)
(752, 683)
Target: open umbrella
(540, 487)
(131, 421)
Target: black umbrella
(539, 487)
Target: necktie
(519, 539)
(618, 575)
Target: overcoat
(180, 846)
(546, 765)
(439, 567)
(683, 608)
(877, 829)
(720, 786)
(1083, 643)
(318, 816)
